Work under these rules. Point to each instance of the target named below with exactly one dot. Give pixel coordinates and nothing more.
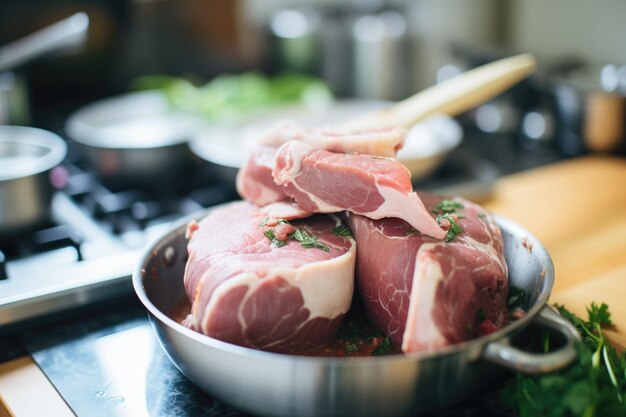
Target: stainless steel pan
(27, 158)
(270, 384)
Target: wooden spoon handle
(451, 97)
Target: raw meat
(275, 295)
(425, 293)
(326, 182)
(254, 179)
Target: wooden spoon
(451, 97)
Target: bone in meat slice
(246, 290)
(326, 182)
(426, 294)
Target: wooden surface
(577, 209)
(25, 391)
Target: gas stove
(87, 250)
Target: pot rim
(55, 146)
(470, 345)
(88, 125)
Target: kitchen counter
(577, 208)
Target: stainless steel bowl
(270, 384)
(27, 155)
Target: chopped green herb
(448, 206)
(272, 237)
(594, 386)
(383, 348)
(454, 229)
(482, 216)
(308, 241)
(517, 298)
(342, 230)
(351, 348)
(480, 315)
(268, 219)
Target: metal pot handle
(502, 353)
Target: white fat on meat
(380, 141)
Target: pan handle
(502, 353)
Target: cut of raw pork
(251, 284)
(254, 179)
(425, 293)
(326, 182)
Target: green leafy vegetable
(342, 230)
(383, 348)
(517, 298)
(454, 228)
(351, 348)
(229, 97)
(595, 386)
(307, 240)
(448, 206)
(269, 233)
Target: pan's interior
(529, 269)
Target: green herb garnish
(480, 315)
(341, 230)
(595, 386)
(351, 348)
(308, 241)
(454, 229)
(517, 298)
(269, 233)
(448, 206)
(383, 348)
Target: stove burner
(93, 241)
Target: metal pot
(27, 157)
(135, 138)
(271, 384)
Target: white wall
(592, 30)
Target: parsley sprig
(306, 240)
(595, 386)
(341, 230)
(454, 228)
(448, 206)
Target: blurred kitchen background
(363, 49)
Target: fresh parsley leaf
(599, 314)
(594, 386)
(341, 230)
(308, 241)
(383, 348)
(480, 315)
(517, 298)
(351, 348)
(448, 206)
(454, 229)
(269, 233)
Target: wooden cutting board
(577, 209)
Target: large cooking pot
(27, 157)
(271, 384)
(135, 138)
